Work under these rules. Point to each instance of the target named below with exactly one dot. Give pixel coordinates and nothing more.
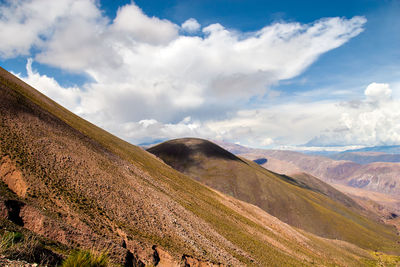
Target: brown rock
(12, 176)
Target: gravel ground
(15, 263)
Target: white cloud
(191, 25)
(372, 121)
(25, 23)
(377, 92)
(267, 142)
(147, 78)
(290, 123)
(132, 22)
(329, 125)
(69, 97)
(149, 130)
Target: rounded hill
(301, 201)
(184, 153)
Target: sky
(302, 75)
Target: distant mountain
(366, 157)
(382, 177)
(384, 149)
(284, 161)
(303, 201)
(66, 184)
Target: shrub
(85, 258)
(15, 245)
(8, 239)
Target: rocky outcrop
(164, 259)
(12, 176)
(189, 261)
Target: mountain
(304, 202)
(383, 149)
(381, 177)
(325, 168)
(66, 184)
(366, 157)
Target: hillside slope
(385, 206)
(306, 202)
(72, 182)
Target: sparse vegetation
(16, 245)
(9, 239)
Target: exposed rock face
(164, 259)
(189, 261)
(12, 176)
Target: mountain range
(374, 185)
(375, 176)
(366, 157)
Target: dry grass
(30, 248)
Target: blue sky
(285, 74)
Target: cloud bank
(371, 121)
(154, 79)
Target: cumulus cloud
(277, 125)
(191, 25)
(142, 129)
(27, 23)
(70, 97)
(378, 92)
(372, 121)
(133, 23)
(148, 76)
